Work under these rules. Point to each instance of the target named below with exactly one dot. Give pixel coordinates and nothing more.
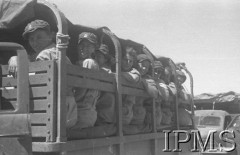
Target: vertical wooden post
(119, 98)
(118, 56)
(154, 126)
(62, 44)
(155, 140)
(61, 98)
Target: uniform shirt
(150, 86)
(86, 98)
(50, 53)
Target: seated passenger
(87, 45)
(171, 87)
(144, 67)
(105, 106)
(183, 95)
(40, 37)
(139, 112)
(162, 76)
(103, 58)
(133, 76)
(158, 77)
(184, 99)
(167, 116)
(163, 91)
(86, 98)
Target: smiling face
(127, 62)
(181, 79)
(85, 49)
(157, 73)
(39, 39)
(143, 67)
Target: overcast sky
(205, 34)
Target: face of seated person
(40, 39)
(181, 79)
(85, 50)
(100, 58)
(143, 67)
(127, 63)
(157, 73)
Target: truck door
(15, 129)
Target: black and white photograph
(119, 77)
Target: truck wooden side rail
(43, 88)
(42, 98)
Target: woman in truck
(39, 35)
(86, 98)
(106, 104)
(141, 111)
(133, 76)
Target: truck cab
(211, 120)
(206, 120)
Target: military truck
(33, 109)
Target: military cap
(158, 64)
(34, 25)
(142, 57)
(88, 36)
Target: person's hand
(12, 68)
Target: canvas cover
(14, 12)
(218, 98)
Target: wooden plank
(35, 105)
(52, 109)
(33, 67)
(39, 118)
(39, 131)
(34, 92)
(89, 143)
(90, 84)
(79, 71)
(38, 105)
(33, 80)
(103, 86)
